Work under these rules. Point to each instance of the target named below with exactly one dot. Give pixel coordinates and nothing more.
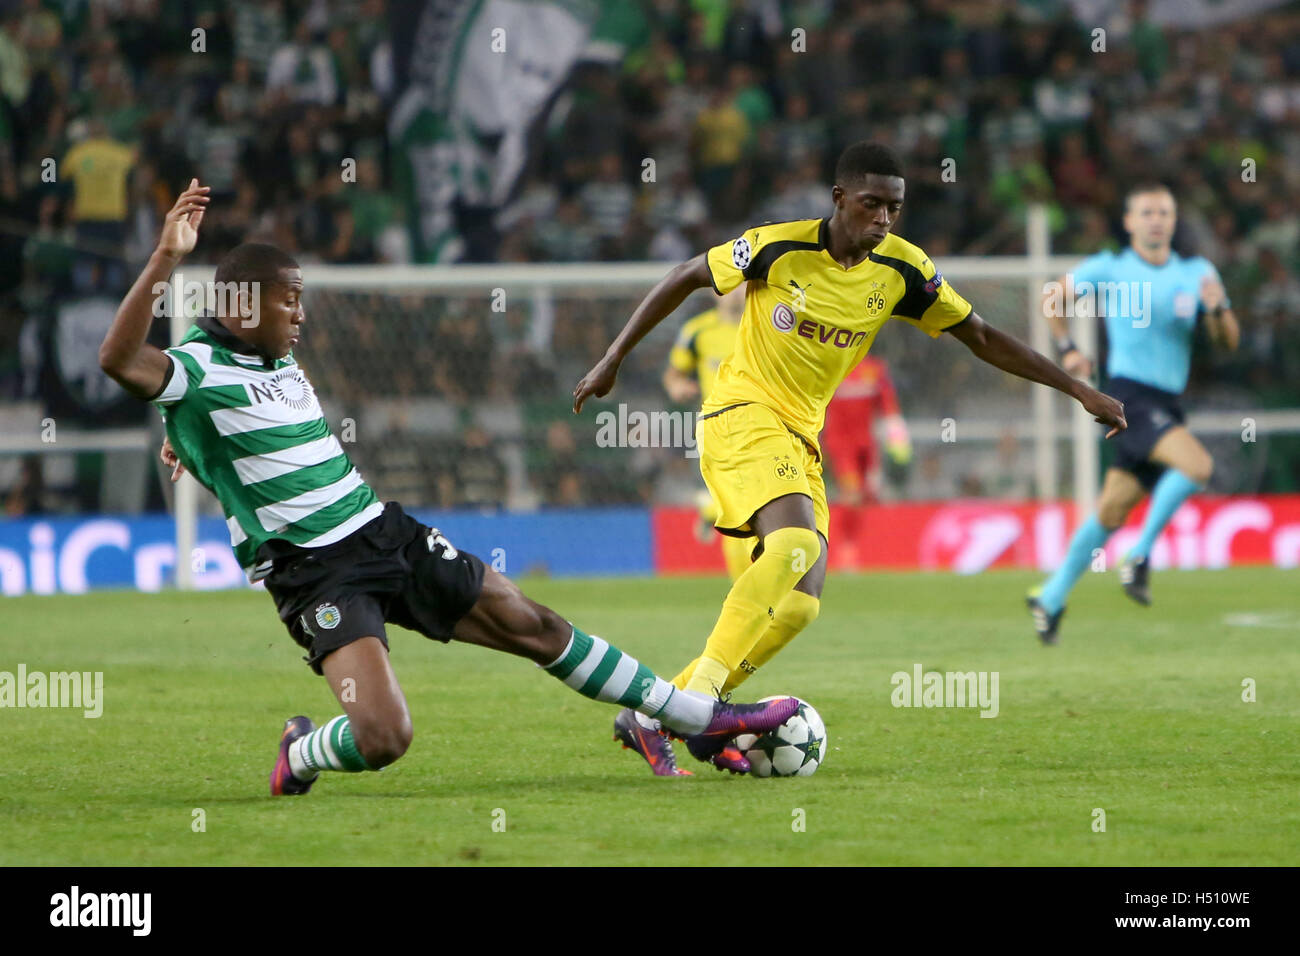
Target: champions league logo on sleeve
(740, 253)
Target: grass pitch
(1138, 713)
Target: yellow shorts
(748, 458)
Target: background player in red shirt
(849, 441)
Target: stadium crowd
(742, 105)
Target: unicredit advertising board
(969, 536)
(71, 555)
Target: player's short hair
(1144, 187)
(865, 159)
(254, 262)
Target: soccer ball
(795, 749)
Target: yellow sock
(795, 612)
(708, 677)
(684, 678)
(788, 554)
(736, 552)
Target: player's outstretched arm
(125, 356)
(1011, 355)
(670, 292)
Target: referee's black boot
(1135, 576)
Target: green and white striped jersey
(252, 432)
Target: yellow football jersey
(702, 345)
(808, 321)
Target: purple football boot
(714, 744)
(283, 782)
(650, 744)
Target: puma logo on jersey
(800, 295)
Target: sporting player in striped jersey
(817, 292)
(1150, 340)
(244, 420)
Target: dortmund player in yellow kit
(703, 344)
(817, 292)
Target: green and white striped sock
(326, 748)
(599, 670)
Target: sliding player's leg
(401, 571)
(372, 732)
(1120, 492)
(1187, 468)
(505, 619)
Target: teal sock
(1088, 538)
(599, 670)
(1170, 491)
(326, 748)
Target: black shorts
(1150, 412)
(393, 569)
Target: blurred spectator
(302, 71)
(1279, 232)
(48, 253)
(1150, 46)
(98, 167)
(1063, 98)
(677, 211)
(474, 476)
(800, 195)
(1276, 308)
(1075, 173)
(607, 203)
(562, 484)
(259, 31)
(720, 137)
(26, 498)
(566, 237)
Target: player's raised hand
(180, 229)
(599, 381)
(1105, 410)
(168, 456)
